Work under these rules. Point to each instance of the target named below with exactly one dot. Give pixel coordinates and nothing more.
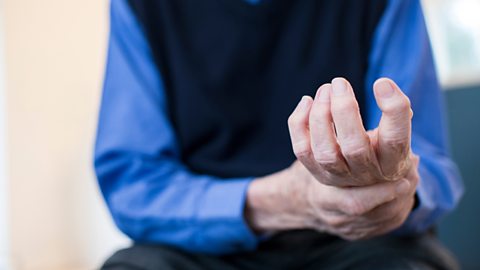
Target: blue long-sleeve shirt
(153, 197)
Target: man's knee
(147, 257)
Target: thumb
(394, 130)
(361, 200)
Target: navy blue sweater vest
(233, 72)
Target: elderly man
(194, 155)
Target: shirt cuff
(221, 217)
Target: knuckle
(328, 181)
(294, 120)
(393, 174)
(330, 160)
(336, 221)
(353, 206)
(326, 157)
(400, 145)
(356, 152)
(400, 106)
(301, 149)
(337, 169)
(334, 166)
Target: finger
(298, 128)
(384, 212)
(352, 137)
(391, 215)
(326, 151)
(357, 201)
(413, 175)
(382, 219)
(414, 178)
(394, 130)
(397, 220)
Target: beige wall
(54, 63)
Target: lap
(153, 257)
(297, 250)
(387, 252)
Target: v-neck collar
(254, 9)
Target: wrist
(272, 203)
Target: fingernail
(323, 94)
(303, 103)
(402, 187)
(384, 89)
(339, 86)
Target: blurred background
(52, 54)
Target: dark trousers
(297, 250)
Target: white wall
(3, 151)
(454, 28)
(55, 52)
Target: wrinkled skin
(346, 181)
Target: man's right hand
(329, 139)
(347, 182)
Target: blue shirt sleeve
(401, 51)
(152, 196)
